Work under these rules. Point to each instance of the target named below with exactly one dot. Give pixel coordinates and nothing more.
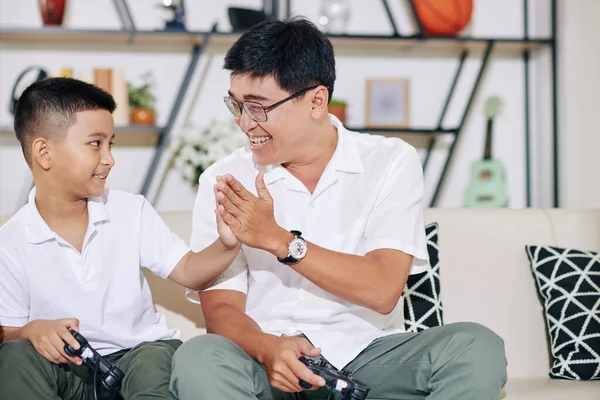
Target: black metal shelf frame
(464, 46)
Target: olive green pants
(462, 361)
(24, 374)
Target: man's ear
(40, 153)
(320, 101)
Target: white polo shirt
(369, 197)
(43, 277)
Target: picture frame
(387, 103)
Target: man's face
(82, 160)
(280, 137)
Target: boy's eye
(96, 143)
(110, 145)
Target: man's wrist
(280, 241)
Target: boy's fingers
(71, 323)
(69, 339)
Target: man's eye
(96, 143)
(110, 145)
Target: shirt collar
(346, 157)
(38, 230)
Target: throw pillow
(568, 282)
(422, 303)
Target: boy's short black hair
(47, 109)
(294, 52)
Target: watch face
(297, 248)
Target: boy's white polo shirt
(369, 197)
(43, 277)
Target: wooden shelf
(125, 136)
(169, 41)
(419, 138)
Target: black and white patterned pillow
(568, 282)
(422, 302)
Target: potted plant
(337, 107)
(142, 101)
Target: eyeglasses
(255, 110)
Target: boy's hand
(48, 337)
(227, 237)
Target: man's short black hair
(47, 109)
(294, 52)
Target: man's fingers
(283, 382)
(261, 188)
(237, 187)
(305, 374)
(227, 204)
(55, 356)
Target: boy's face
(82, 161)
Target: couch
(485, 277)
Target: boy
(71, 257)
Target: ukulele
(487, 187)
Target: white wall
(430, 78)
(579, 92)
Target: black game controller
(107, 377)
(339, 381)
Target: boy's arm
(8, 333)
(198, 270)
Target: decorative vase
(142, 116)
(339, 111)
(52, 11)
(443, 17)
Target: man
(331, 224)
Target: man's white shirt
(43, 277)
(369, 197)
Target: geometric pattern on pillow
(568, 282)
(423, 307)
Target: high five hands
(250, 219)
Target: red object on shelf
(53, 11)
(443, 17)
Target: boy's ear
(320, 101)
(40, 153)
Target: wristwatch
(296, 249)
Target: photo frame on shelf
(387, 103)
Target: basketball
(443, 17)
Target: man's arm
(394, 237)
(375, 280)
(224, 313)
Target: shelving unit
(396, 45)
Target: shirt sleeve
(396, 221)
(14, 297)
(204, 232)
(160, 248)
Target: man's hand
(250, 218)
(47, 337)
(283, 367)
(225, 234)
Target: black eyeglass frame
(242, 104)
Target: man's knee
(481, 346)
(204, 354)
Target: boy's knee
(17, 352)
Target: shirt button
(312, 205)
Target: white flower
(201, 147)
